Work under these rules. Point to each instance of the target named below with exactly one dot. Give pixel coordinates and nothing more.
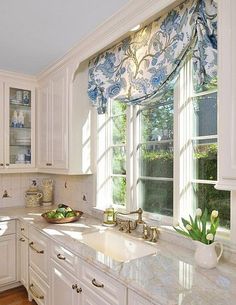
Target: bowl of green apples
(62, 214)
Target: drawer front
(38, 289)
(39, 253)
(109, 289)
(64, 257)
(23, 228)
(7, 227)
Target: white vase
(205, 255)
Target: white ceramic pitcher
(205, 255)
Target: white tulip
(214, 214)
(210, 237)
(198, 212)
(188, 227)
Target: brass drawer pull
(36, 250)
(61, 257)
(34, 293)
(1, 164)
(74, 286)
(79, 290)
(22, 239)
(94, 282)
(22, 229)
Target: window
(155, 154)
(163, 156)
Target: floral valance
(146, 63)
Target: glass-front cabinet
(19, 127)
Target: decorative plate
(63, 220)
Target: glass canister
(47, 189)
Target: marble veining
(166, 278)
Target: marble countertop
(166, 278)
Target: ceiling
(35, 33)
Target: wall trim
(15, 75)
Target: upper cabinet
(17, 126)
(53, 123)
(64, 122)
(227, 95)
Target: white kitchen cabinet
(24, 260)
(39, 253)
(90, 297)
(53, 122)
(109, 290)
(17, 115)
(136, 299)
(7, 253)
(64, 123)
(226, 95)
(65, 288)
(38, 290)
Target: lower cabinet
(104, 287)
(7, 259)
(24, 260)
(7, 253)
(90, 297)
(64, 286)
(38, 289)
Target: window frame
(132, 166)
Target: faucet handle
(154, 232)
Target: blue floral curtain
(146, 64)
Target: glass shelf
(20, 105)
(19, 128)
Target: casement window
(162, 157)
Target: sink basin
(117, 245)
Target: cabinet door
(7, 259)
(63, 286)
(59, 89)
(135, 299)
(24, 264)
(44, 127)
(19, 125)
(226, 96)
(1, 126)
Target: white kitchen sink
(118, 246)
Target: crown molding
(20, 76)
(113, 29)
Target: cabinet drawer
(38, 253)
(7, 227)
(64, 257)
(23, 228)
(38, 289)
(109, 289)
